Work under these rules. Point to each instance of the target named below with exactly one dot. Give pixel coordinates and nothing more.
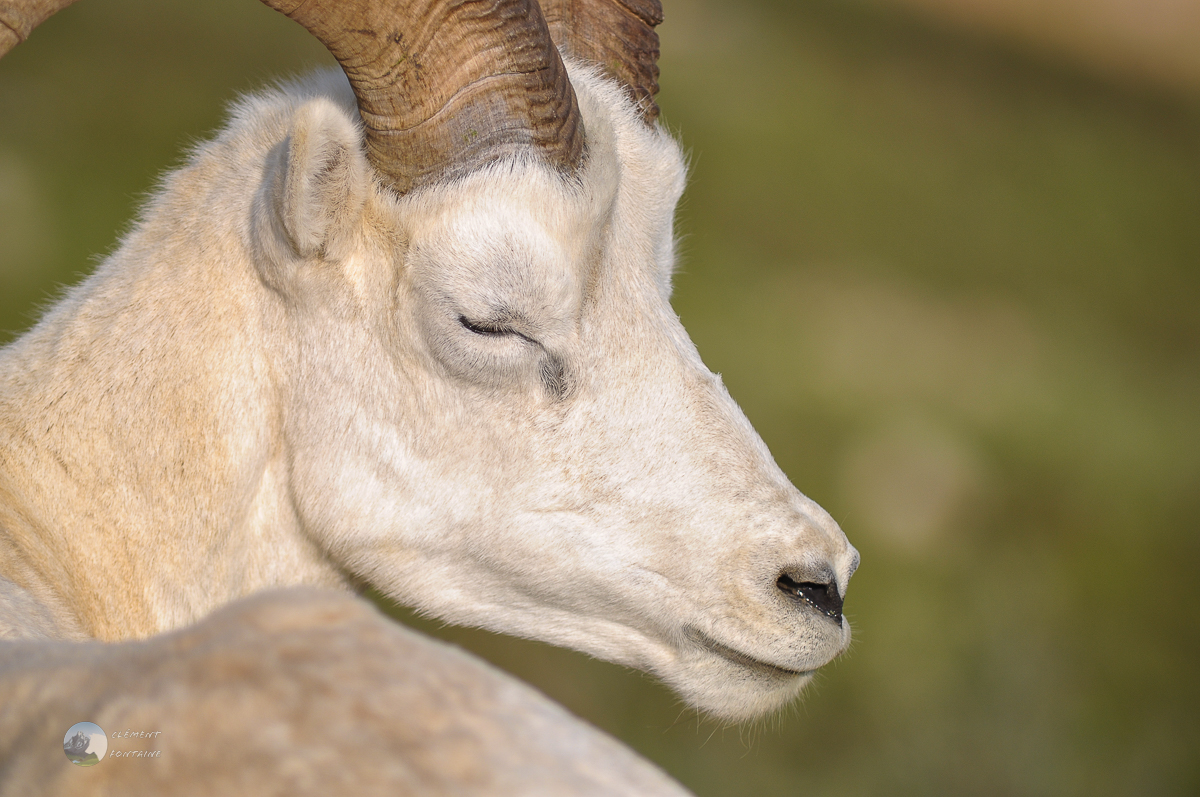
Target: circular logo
(85, 744)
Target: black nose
(822, 597)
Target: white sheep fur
(474, 396)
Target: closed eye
(493, 329)
(486, 328)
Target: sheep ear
(325, 182)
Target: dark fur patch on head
(554, 376)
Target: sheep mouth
(742, 659)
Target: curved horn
(617, 34)
(444, 86)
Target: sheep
(412, 328)
(297, 692)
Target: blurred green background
(954, 282)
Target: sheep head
(486, 406)
(499, 420)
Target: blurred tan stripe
(1156, 40)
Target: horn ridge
(419, 70)
(618, 35)
(444, 86)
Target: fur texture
(298, 692)
(475, 397)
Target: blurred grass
(954, 287)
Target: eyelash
(484, 329)
(552, 372)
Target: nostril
(822, 597)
